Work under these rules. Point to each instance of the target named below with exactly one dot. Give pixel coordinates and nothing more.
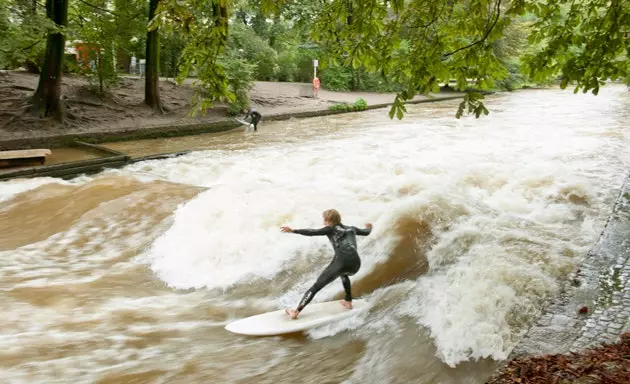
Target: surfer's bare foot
(347, 304)
(293, 314)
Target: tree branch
(430, 23)
(99, 8)
(23, 48)
(496, 19)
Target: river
(129, 276)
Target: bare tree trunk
(152, 74)
(47, 98)
(100, 72)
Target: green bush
(240, 76)
(244, 42)
(514, 80)
(341, 107)
(304, 63)
(170, 51)
(359, 105)
(287, 66)
(266, 61)
(375, 82)
(336, 78)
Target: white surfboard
(278, 322)
(243, 122)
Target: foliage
(336, 78)
(508, 50)
(23, 31)
(359, 105)
(515, 78)
(254, 50)
(109, 29)
(205, 24)
(217, 59)
(407, 47)
(240, 77)
(172, 46)
(287, 65)
(304, 63)
(439, 41)
(96, 28)
(585, 42)
(340, 107)
(376, 82)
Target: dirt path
(123, 106)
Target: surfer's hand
(368, 226)
(286, 229)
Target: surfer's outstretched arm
(363, 232)
(310, 232)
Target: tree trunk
(47, 98)
(100, 72)
(152, 74)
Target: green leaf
(392, 111)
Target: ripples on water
(130, 275)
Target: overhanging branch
(485, 36)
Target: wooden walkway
(23, 157)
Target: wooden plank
(24, 154)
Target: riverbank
(592, 312)
(121, 114)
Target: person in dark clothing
(255, 117)
(345, 263)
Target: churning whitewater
(500, 208)
(130, 275)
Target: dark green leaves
(398, 108)
(472, 100)
(584, 43)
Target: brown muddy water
(129, 276)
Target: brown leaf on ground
(606, 364)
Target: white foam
(483, 186)
(12, 188)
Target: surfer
(346, 261)
(255, 117)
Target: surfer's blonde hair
(332, 216)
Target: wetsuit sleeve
(362, 232)
(314, 232)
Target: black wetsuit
(256, 116)
(345, 263)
